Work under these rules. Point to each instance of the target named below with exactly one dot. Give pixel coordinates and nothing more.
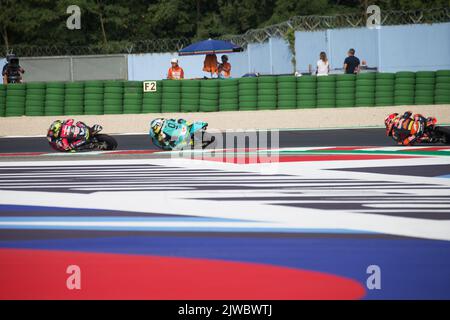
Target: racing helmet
(389, 122)
(156, 125)
(54, 130)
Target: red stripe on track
(41, 274)
(302, 158)
(18, 154)
(133, 152)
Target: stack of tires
(287, 92)
(35, 99)
(74, 98)
(384, 89)
(442, 91)
(113, 97)
(190, 95)
(267, 93)
(2, 100)
(345, 90)
(15, 100)
(326, 91)
(132, 97)
(424, 89)
(93, 97)
(365, 90)
(229, 95)
(404, 88)
(209, 95)
(171, 96)
(306, 92)
(54, 98)
(248, 93)
(151, 101)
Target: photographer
(12, 71)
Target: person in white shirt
(323, 66)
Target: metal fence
(315, 23)
(153, 45)
(298, 23)
(75, 68)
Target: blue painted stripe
(113, 219)
(187, 229)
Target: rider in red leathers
(68, 135)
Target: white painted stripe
(409, 205)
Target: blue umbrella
(209, 47)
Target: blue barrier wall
(390, 48)
(415, 47)
(256, 58)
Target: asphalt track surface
(291, 138)
(220, 224)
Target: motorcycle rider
(408, 129)
(162, 132)
(68, 135)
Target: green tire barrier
(113, 93)
(442, 87)
(286, 92)
(15, 100)
(404, 88)
(2, 100)
(253, 93)
(267, 93)
(93, 97)
(35, 99)
(152, 101)
(345, 90)
(306, 92)
(209, 96)
(326, 91)
(248, 93)
(229, 95)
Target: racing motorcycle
(182, 135)
(436, 134)
(99, 142)
(94, 141)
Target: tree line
(43, 22)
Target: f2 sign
(149, 86)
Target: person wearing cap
(224, 68)
(175, 71)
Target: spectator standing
(224, 68)
(323, 65)
(210, 65)
(351, 63)
(175, 71)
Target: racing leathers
(72, 136)
(408, 129)
(170, 136)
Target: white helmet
(174, 60)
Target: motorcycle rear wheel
(105, 142)
(444, 132)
